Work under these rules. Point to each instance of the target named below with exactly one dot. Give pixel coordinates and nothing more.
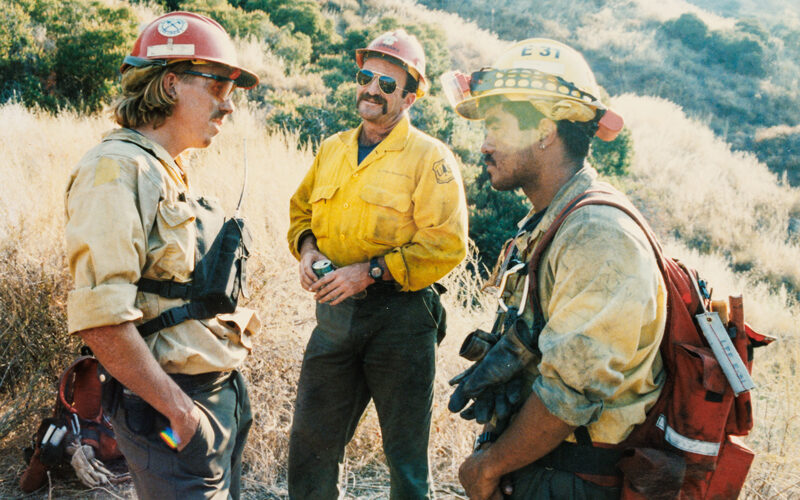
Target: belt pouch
(139, 416)
(110, 392)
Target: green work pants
(210, 466)
(381, 347)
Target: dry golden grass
(40, 150)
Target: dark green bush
(61, 54)
(689, 29)
(493, 215)
(613, 158)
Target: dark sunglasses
(221, 90)
(386, 83)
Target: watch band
(485, 437)
(374, 263)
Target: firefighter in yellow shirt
(385, 204)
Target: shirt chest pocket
(173, 241)
(320, 210)
(387, 216)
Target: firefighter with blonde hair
(135, 234)
(572, 363)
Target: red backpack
(78, 414)
(687, 448)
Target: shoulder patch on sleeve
(443, 172)
(107, 170)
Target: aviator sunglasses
(386, 83)
(222, 89)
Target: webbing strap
(172, 317)
(167, 289)
(579, 459)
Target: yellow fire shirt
(127, 218)
(405, 201)
(604, 302)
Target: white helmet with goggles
(552, 76)
(186, 36)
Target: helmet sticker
(173, 26)
(169, 49)
(389, 40)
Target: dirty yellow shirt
(127, 218)
(604, 302)
(405, 201)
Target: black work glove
(503, 362)
(501, 400)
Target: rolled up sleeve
(106, 244)
(440, 214)
(605, 290)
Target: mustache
(374, 98)
(487, 159)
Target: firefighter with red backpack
(573, 382)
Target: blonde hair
(144, 101)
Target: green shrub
(493, 215)
(613, 158)
(428, 114)
(315, 118)
(61, 54)
(689, 29)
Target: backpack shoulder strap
(590, 197)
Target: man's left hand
(477, 484)
(342, 283)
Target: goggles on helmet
(546, 92)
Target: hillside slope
(739, 73)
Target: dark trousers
(536, 482)
(381, 347)
(210, 466)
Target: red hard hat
(186, 36)
(404, 47)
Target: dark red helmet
(186, 36)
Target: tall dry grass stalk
(729, 190)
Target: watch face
(376, 272)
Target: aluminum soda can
(322, 267)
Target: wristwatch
(375, 269)
(485, 437)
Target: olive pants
(210, 466)
(381, 347)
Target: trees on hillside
(62, 54)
